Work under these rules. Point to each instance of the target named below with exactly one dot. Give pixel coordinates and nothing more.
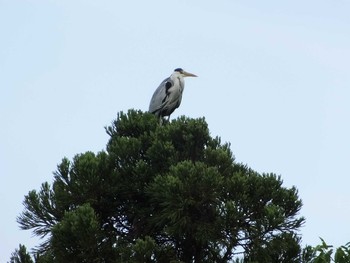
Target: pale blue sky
(273, 81)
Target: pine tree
(162, 193)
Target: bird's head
(184, 73)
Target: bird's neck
(178, 80)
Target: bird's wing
(159, 96)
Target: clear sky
(273, 81)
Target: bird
(167, 97)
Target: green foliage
(145, 250)
(21, 255)
(78, 234)
(323, 253)
(39, 212)
(342, 254)
(162, 193)
(283, 248)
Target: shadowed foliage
(162, 193)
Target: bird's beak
(187, 74)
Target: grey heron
(168, 95)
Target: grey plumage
(167, 97)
